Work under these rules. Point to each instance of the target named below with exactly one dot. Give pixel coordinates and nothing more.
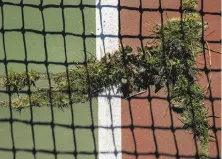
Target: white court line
(107, 23)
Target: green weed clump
(168, 62)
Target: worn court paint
(109, 107)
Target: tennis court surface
(52, 36)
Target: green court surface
(34, 44)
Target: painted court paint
(109, 106)
(106, 111)
(147, 139)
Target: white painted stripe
(107, 23)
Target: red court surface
(150, 128)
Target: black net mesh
(155, 103)
(26, 137)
